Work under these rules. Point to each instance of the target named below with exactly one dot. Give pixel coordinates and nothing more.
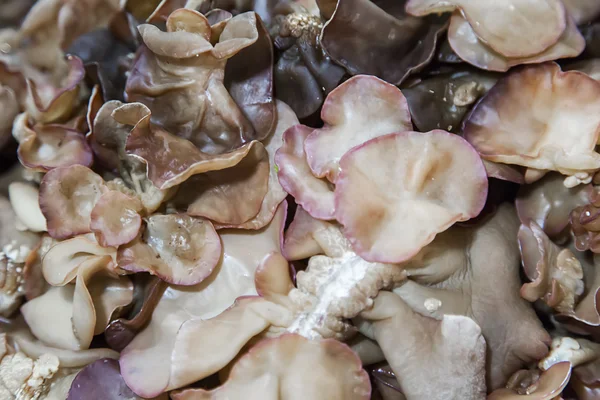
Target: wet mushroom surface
(300, 199)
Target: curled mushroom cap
(181, 65)
(360, 109)
(275, 368)
(44, 147)
(380, 38)
(275, 192)
(230, 196)
(314, 194)
(179, 249)
(77, 312)
(561, 133)
(465, 42)
(67, 198)
(548, 202)
(24, 201)
(148, 364)
(547, 386)
(182, 158)
(396, 192)
(300, 239)
(502, 26)
(556, 273)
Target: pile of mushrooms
(330, 200)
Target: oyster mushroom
(195, 72)
(532, 385)
(178, 248)
(272, 370)
(78, 306)
(434, 187)
(568, 96)
(495, 43)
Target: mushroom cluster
(298, 199)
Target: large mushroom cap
(396, 192)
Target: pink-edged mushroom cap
(548, 386)
(396, 192)
(513, 28)
(47, 102)
(230, 196)
(67, 198)
(314, 194)
(539, 117)
(147, 363)
(556, 274)
(548, 202)
(276, 368)
(362, 108)
(115, 219)
(470, 48)
(177, 248)
(44, 147)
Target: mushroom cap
(396, 192)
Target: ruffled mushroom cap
(436, 359)
(177, 248)
(9, 106)
(275, 368)
(468, 271)
(470, 48)
(556, 274)
(380, 39)
(148, 364)
(275, 192)
(103, 380)
(504, 25)
(69, 20)
(181, 66)
(45, 147)
(68, 316)
(360, 109)
(67, 198)
(314, 194)
(548, 203)
(230, 196)
(585, 318)
(496, 43)
(24, 201)
(559, 136)
(389, 214)
(182, 160)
